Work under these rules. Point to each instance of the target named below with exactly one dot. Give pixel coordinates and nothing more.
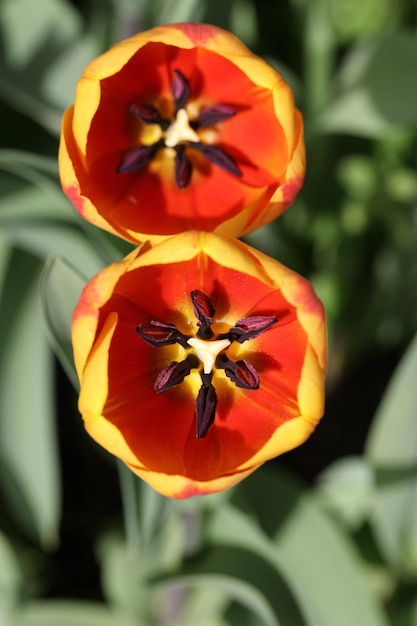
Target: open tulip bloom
(181, 127)
(199, 359)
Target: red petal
(252, 138)
(160, 428)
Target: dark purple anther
(173, 374)
(243, 374)
(136, 159)
(251, 327)
(205, 409)
(214, 114)
(158, 334)
(218, 157)
(180, 90)
(203, 308)
(183, 168)
(149, 115)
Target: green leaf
(11, 579)
(404, 613)
(232, 588)
(309, 547)
(153, 544)
(30, 196)
(204, 604)
(20, 161)
(314, 549)
(32, 46)
(353, 19)
(377, 88)
(179, 11)
(36, 215)
(44, 21)
(243, 21)
(392, 440)
(44, 239)
(242, 550)
(61, 287)
(68, 613)
(5, 252)
(60, 78)
(123, 576)
(346, 489)
(392, 450)
(354, 113)
(28, 447)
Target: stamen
(159, 334)
(214, 114)
(180, 90)
(136, 159)
(205, 409)
(173, 374)
(218, 157)
(149, 115)
(251, 327)
(207, 351)
(203, 307)
(183, 168)
(243, 374)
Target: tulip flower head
(181, 127)
(199, 359)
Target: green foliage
(61, 287)
(337, 549)
(30, 472)
(67, 614)
(392, 452)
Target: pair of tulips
(199, 357)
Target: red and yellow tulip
(177, 128)
(199, 359)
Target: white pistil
(207, 351)
(180, 131)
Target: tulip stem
(129, 495)
(152, 513)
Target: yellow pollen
(180, 131)
(207, 351)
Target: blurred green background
(327, 534)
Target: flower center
(180, 131)
(207, 354)
(208, 351)
(179, 134)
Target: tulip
(199, 359)
(177, 128)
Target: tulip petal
(114, 165)
(238, 425)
